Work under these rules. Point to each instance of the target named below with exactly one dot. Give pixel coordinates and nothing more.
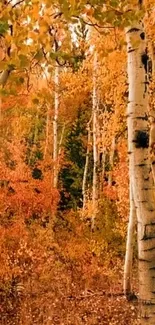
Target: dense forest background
(62, 249)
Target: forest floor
(90, 289)
(72, 306)
(93, 308)
(73, 281)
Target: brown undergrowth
(61, 277)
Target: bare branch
(17, 3)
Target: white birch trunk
(103, 161)
(55, 128)
(152, 121)
(111, 160)
(0, 110)
(4, 77)
(61, 142)
(95, 151)
(153, 59)
(152, 146)
(84, 182)
(140, 170)
(47, 131)
(130, 247)
(3, 80)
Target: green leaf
(4, 26)
(24, 62)
(39, 55)
(53, 55)
(114, 3)
(11, 66)
(20, 80)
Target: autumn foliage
(53, 268)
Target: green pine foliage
(71, 174)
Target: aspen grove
(77, 162)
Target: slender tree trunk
(4, 77)
(0, 109)
(84, 182)
(47, 131)
(3, 80)
(152, 120)
(152, 147)
(142, 185)
(130, 247)
(103, 161)
(55, 128)
(103, 152)
(153, 59)
(61, 141)
(95, 151)
(111, 160)
(35, 137)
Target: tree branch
(17, 3)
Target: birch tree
(130, 248)
(84, 182)
(55, 127)
(139, 168)
(152, 116)
(47, 131)
(95, 151)
(111, 160)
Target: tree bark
(95, 151)
(3, 80)
(61, 141)
(111, 160)
(84, 182)
(47, 131)
(140, 167)
(4, 77)
(55, 128)
(152, 119)
(130, 247)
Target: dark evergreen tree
(72, 174)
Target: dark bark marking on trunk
(132, 30)
(148, 303)
(141, 165)
(149, 249)
(143, 118)
(146, 178)
(149, 232)
(131, 296)
(146, 82)
(141, 139)
(144, 59)
(131, 50)
(143, 260)
(142, 36)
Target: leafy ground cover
(62, 278)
